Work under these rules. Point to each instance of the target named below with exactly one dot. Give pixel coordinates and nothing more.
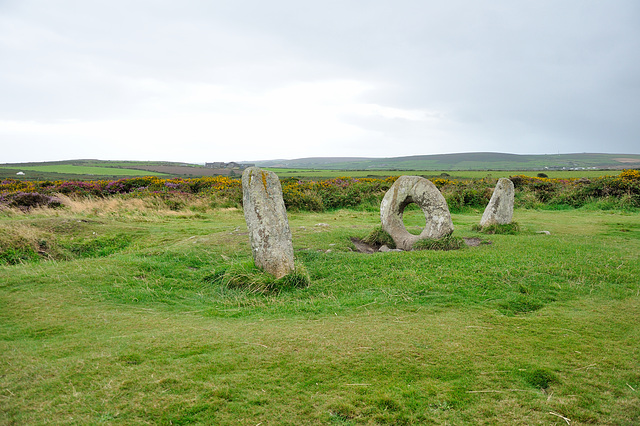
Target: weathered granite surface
(266, 217)
(499, 211)
(415, 189)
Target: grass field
(70, 169)
(458, 166)
(453, 174)
(466, 161)
(99, 169)
(126, 324)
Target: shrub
(299, 199)
(527, 199)
(341, 192)
(29, 200)
(464, 194)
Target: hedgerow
(622, 191)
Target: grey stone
(500, 208)
(415, 189)
(266, 218)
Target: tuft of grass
(15, 256)
(247, 276)
(99, 246)
(505, 229)
(520, 304)
(130, 359)
(540, 378)
(379, 237)
(445, 243)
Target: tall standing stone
(266, 218)
(415, 189)
(499, 211)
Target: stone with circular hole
(415, 189)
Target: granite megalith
(266, 218)
(415, 189)
(499, 211)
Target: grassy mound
(246, 276)
(495, 228)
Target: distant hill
(312, 162)
(100, 169)
(464, 161)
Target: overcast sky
(238, 80)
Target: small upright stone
(499, 211)
(266, 218)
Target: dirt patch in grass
(363, 247)
(475, 242)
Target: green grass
(316, 174)
(496, 228)
(95, 170)
(449, 242)
(467, 161)
(70, 169)
(246, 276)
(99, 169)
(505, 333)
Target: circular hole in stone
(413, 219)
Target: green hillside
(326, 167)
(100, 169)
(82, 170)
(466, 161)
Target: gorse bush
(461, 195)
(621, 191)
(340, 192)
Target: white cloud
(212, 121)
(251, 80)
